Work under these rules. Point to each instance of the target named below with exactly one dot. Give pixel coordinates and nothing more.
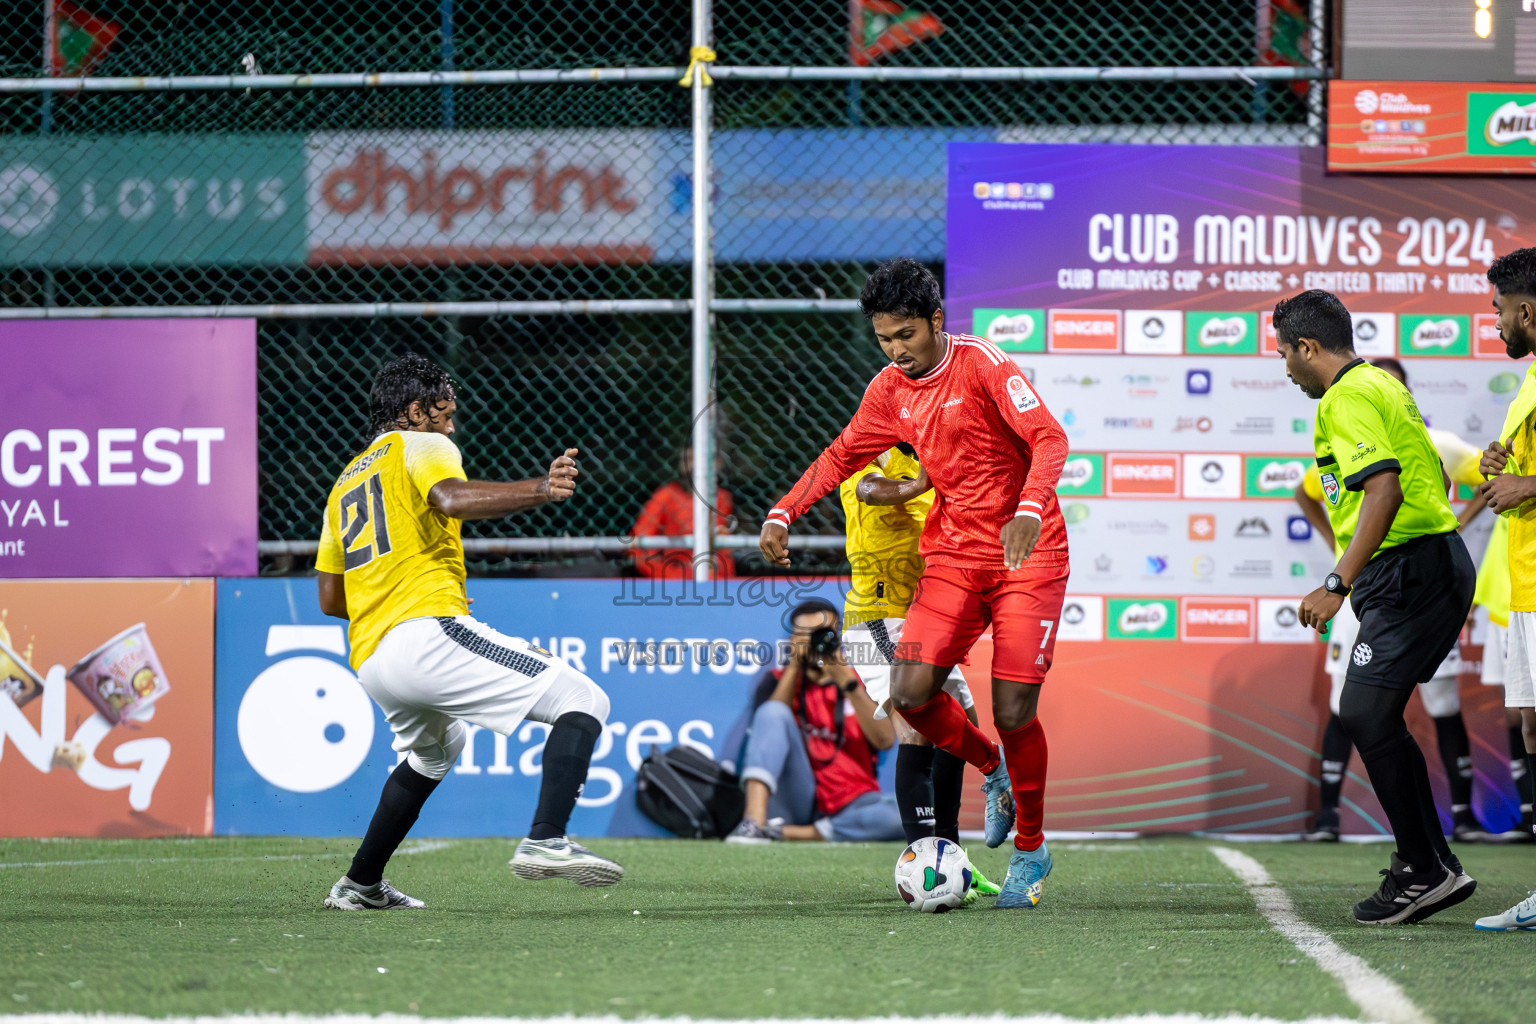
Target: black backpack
(688, 793)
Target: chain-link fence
(166, 196)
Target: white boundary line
(390, 1018)
(1379, 998)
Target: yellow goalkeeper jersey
(882, 543)
(401, 559)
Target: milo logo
(1011, 329)
(1433, 334)
(1223, 331)
(1511, 122)
(1143, 618)
(1077, 471)
(1273, 477)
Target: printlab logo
(123, 680)
(29, 200)
(305, 723)
(1367, 101)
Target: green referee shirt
(1367, 422)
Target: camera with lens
(824, 642)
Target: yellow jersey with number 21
(401, 559)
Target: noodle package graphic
(18, 680)
(122, 677)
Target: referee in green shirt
(1406, 573)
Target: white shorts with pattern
(872, 646)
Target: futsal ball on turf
(933, 875)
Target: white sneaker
(537, 859)
(348, 895)
(1520, 917)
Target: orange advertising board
(1085, 330)
(1143, 475)
(1432, 127)
(106, 708)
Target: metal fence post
(704, 486)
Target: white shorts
(871, 647)
(1520, 661)
(1441, 695)
(1495, 641)
(429, 674)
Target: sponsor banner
(1375, 334)
(1154, 332)
(1213, 476)
(1217, 619)
(1082, 618)
(303, 751)
(102, 475)
(1486, 343)
(1223, 334)
(1142, 475)
(1082, 474)
(1279, 622)
(571, 196)
(152, 200)
(1435, 336)
(1274, 476)
(1149, 618)
(1085, 330)
(1231, 230)
(106, 708)
(1012, 330)
(1431, 127)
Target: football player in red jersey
(995, 545)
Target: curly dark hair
(1514, 273)
(1318, 315)
(901, 287)
(402, 382)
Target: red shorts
(954, 606)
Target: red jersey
(844, 772)
(989, 445)
(669, 513)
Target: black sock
(948, 789)
(1456, 756)
(1373, 718)
(399, 806)
(914, 790)
(567, 755)
(1336, 747)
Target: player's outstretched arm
(489, 499)
(877, 489)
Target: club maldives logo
(1271, 476)
(1012, 330)
(1142, 619)
(1082, 475)
(1222, 334)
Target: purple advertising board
(1074, 248)
(127, 448)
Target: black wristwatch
(1334, 584)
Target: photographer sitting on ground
(810, 742)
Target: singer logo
(1085, 330)
(1145, 476)
(1486, 342)
(1219, 618)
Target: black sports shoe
(1406, 893)
(1462, 888)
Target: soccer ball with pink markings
(933, 875)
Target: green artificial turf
(214, 926)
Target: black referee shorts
(1412, 602)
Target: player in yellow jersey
(886, 505)
(391, 563)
